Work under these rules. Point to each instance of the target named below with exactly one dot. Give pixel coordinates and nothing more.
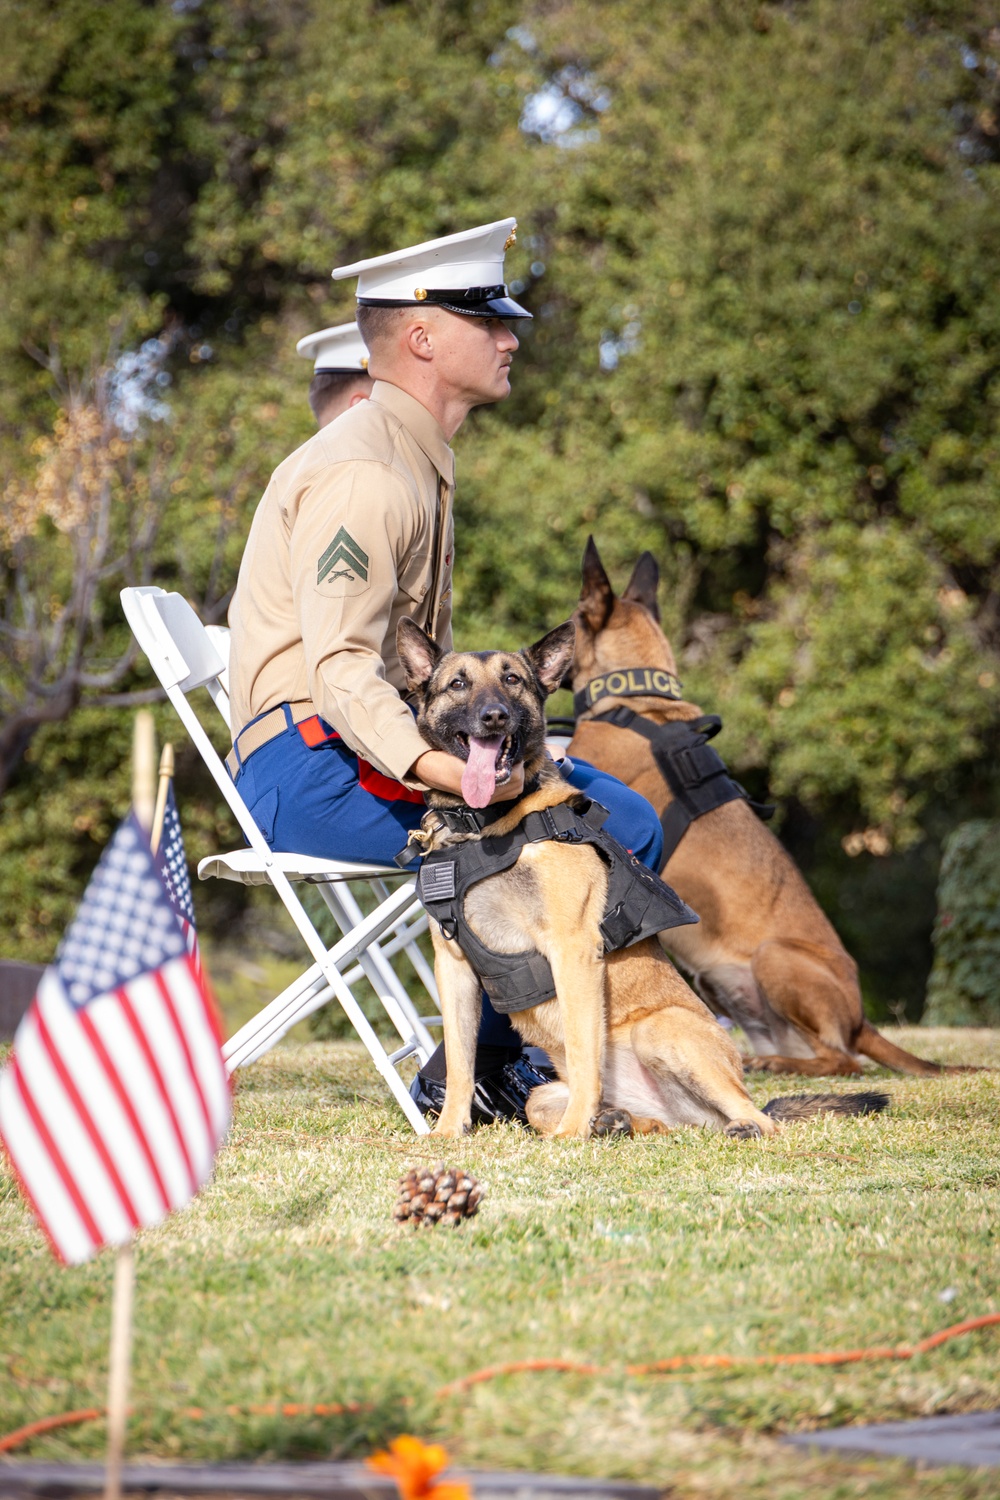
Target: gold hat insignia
(420, 294)
(511, 239)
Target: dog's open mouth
(488, 765)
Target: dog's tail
(871, 1043)
(789, 1107)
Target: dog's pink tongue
(479, 779)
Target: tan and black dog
(763, 954)
(625, 1032)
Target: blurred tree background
(760, 244)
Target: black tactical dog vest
(638, 904)
(695, 773)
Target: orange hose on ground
(23, 1435)
(14, 1440)
(728, 1361)
(969, 1326)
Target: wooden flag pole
(163, 787)
(146, 804)
(118, 1375)
(143, 774)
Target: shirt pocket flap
(415, 576)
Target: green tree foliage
(964, 986)
(759, 242)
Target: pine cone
(436, 1195)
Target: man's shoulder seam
(379, 430)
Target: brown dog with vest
(763, 953)
(633, 1046)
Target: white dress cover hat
(461, 272)
(339, 350)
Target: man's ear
(552, 656)
(418, 338)
(418, 653)
(597, 597)
(643, 584)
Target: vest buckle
(462, 819)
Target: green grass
(288, 1280)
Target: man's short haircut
(375, 324)
(327, 385)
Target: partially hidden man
(354, 531)
(340, 376)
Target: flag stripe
(76, 1099)
(137, 1078)
(82, 1163)
(201, 1026)
(54, 1154)
(37, 1178)
(74, 1037)
(161, 1032)
(139, 1135)
(166, 996)
(128, 1011)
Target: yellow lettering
(617, 682)
(595, 688)
(637, 687)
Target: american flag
(116, 1097)
(171, 862)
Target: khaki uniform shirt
(355, 530)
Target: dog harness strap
(637, 906)
(695, 772)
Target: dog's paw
(609, 1121)
(453, 1132)
(760, 1065)
(743, 1130)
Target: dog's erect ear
(552, 656)
(418, 653)
(642, 585)
(597, 597)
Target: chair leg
(307, 993)
(314, 988)
(301, 999)
(405, 940)
(423, 969)
(379, 971)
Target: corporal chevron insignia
(343, 550)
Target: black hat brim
(493, 307)
(496, 306)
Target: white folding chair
(186, 655)
(343, 905)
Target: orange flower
(413, 1465)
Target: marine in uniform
(340, 371)
(354, 531)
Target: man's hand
(444, 772)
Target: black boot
(504, 1079)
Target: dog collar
(629, 682)
(466, 820)
(475, 819)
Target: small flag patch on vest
(345, 551)
(437, 881)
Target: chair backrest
(219, 637)
(185, 656)
(173, 638)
